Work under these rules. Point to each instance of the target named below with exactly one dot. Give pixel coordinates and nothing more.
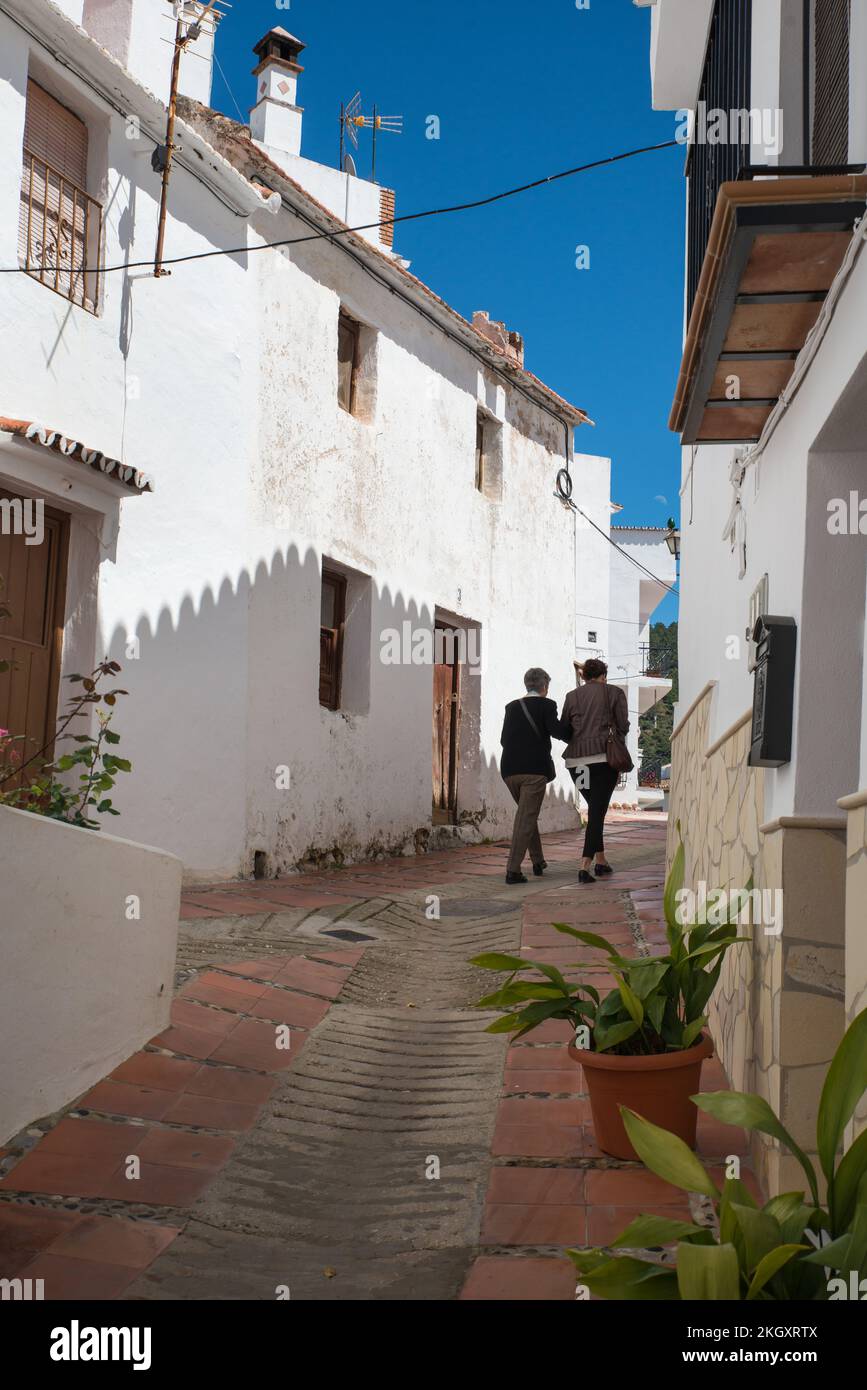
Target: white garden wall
(84, 981)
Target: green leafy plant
(42, 791)
(793, 1247)
(659, 1002)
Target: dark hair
(593, 669)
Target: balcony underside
(775, 247)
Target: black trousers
(602, 781)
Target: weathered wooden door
(30, 639)
(446, 727)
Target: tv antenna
(352, 120)
(192, 19)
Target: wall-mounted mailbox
(776, 642)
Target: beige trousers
(528, 790)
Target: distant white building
(271, 478)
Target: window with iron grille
(725, 86)
(332, 619)
(829, 80)
(59, 224)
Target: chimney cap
(283, 40)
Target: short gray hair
(536, 678)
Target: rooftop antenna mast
(192, 18)
(352, 120)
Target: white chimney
(276, 118)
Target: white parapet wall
(88, 935)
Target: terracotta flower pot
(657, 1088)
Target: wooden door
(30, 639)
(446, 732)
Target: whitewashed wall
(220, 380)
(89, 926)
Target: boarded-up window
(59, 226)
(348, 333)
(830, 73)
(332, 618)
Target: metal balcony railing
(59, 233)
(725, 86)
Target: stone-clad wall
(777, 1014)
(718, 801)
(856, 921)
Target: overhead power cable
(347, 231)
(631, 558)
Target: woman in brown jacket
(585, 723)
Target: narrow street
(386, 1154)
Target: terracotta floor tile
(538, 1141)
(253, 1043)
(181, 1150)
(513, 1224)
(313, 976)
(162, 1184)
(226, 904)
(553, 1082)
(212, 1114)
(629, 1187)
(558, 1031)
(606, 1224)
(544, 1112)
(79, 1280)
(119, 1098)
(256, 969)
(64, 1175)
(239, 985)
(25, 1230)
(187, 1014)
(226, 1084)
(190, 1042)
(537, 1186)
(115, 1241)
(189, 911)
(284, 1006)
(718, 1140)
(525, 1056)
(156, 1072)
(97, 1138)
(495, 1278)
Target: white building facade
(770, 767)
(270, 478)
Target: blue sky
(521, 91)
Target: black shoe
(539, 869)
(516, 878)
(602, 869)
(584, 877)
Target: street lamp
(672, 540)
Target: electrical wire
(349, 231)
(625, 553)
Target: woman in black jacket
(588, 712)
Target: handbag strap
(530, 720)
(612, 731)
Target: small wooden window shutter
(331, 638)
(347, 361)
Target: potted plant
(793, 1247)
(643, 1043)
